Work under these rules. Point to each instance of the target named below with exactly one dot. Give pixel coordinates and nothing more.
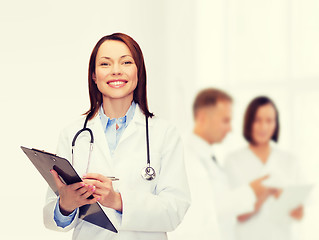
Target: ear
(200, 115)
(94, 77)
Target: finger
(100, 192)
(96, 176)
(273, 189)
(59, 183)
(97, 184)
(96, 195)
(93, 200)
(57, 179)
(76, 186)
(89, 192)
(90, 181)
(298, 209)
(275, 192)
(103, 185)
(264, 178)
(82, 190)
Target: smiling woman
(115, 74)
(125, 59)
(125, 132)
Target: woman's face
(264, 124)
(115, 71)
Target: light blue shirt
(113, 136)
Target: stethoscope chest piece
(148, 173)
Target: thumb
(263, 178)
(57, 179)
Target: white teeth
(116, 83)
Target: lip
(117, 83)
(262, 135)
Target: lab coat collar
(199, 145)
(100, 139)
(269, 162)
(139, 117)
(106, 121)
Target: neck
(116, 108)
(199, 132)
(261, 150)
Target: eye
(257, 120)
(270, 120)
(105, 64)
(127, 62)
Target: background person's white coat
(213, 212)
(242, 166)
(246, 47)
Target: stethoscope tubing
(148, 173)
(147, 143)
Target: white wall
(246, 47)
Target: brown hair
(250, 115)
(139, 95)
(208, 97)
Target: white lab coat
(150, 208)
(243, 166)
(212, 215)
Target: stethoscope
(148, 173)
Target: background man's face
(217, 121)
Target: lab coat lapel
(204, 153)
(139, 118)
(102, 153)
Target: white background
(246, 47)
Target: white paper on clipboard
(291, 197)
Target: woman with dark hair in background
(262, 157)
(149, 198)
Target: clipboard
(45, 161)
(291, 197)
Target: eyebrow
(120, 57)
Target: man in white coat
(215, 205)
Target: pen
(113, 178)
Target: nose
(263, 126)
(116, 70)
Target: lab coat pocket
(133, 179)
(156, 166)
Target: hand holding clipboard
(64, 173)
(74, 195)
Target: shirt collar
(106, 121)
(200, 145)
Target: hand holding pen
(103, 190)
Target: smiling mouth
(117, 83)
